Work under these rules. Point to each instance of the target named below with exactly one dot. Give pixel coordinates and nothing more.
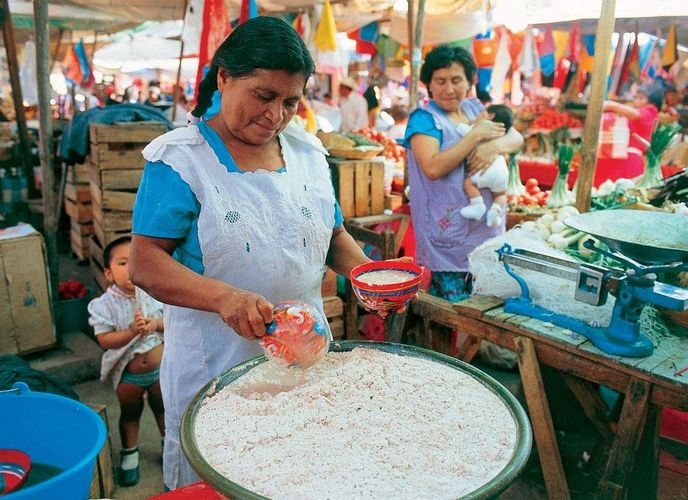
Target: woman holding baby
(446, 145)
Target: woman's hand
(486, 130)
(246, 313)
(482, 157)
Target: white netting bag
(552, 293)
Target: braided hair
(260, 43)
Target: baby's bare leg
(495, 215)
(470, 188)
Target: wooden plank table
(647, 384)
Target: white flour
(365, 424)
(385, 277)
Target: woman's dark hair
(107, 253)
(654, 93)
(444, 56)
(260, 43)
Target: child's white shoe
(475, 210)
(494, 215)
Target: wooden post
(410, 27)
(416, 48)
(13, 67)
(175, 94)
(50, 219)
(593, 117)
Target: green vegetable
(660, 140)
(361, 140)
(560, 195)
(515, 187)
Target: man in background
(353, 106)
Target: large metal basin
(491, 489)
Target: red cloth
(643, 126)
(195, 491)
(634, 165)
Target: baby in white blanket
(495, 178)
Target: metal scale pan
(646, 237)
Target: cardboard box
(26, 320)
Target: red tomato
(532, 182)
(533, 189)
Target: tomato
(533, 189)
(532, 182)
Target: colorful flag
(630, 70)
(561, 43)
(485, 49)
(88, 79)
(515, 48)
(326, 33)
(645, 56)
(71, 67)
(545, 48)
(587, 61)
(670, 53)
(574, 43)
(249, 10)
(528, 61)
(501, 68)
(216, 27)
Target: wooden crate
(79, 193)
(98, 274)
(103, 482)
(106, 236)
(78, 173)
(96, 251)
(393, 201)
(79, 212)
(113, 200)
(79, 243)
(119, 146)
(82, 228)
(334, 312)
(115, 179)
(359, 186)
(112, 220)
(329, 284)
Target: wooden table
(648, 384)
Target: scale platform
(646, 243)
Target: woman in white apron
(233, 215)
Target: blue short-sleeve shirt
(166, 207)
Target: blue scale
(647, 243)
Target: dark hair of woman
(260, 43)
(444, 56)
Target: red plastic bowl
(389, 296)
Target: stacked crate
(115, 173)
(359, 186)
(78, 207)
(333, 305)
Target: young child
(128, 323)
(496, 177)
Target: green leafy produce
(361, 140)
(560, 195)
(660, 140)
(515, 187)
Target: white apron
(266, 232)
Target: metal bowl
(646, 237)
(491, 489)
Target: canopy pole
(417, 54)
(410, 26)
(593, 116)
(17, 97)
(40, 11)
(175, 94)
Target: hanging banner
(216, 27)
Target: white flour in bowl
(385, 277)
(365, 424)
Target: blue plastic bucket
(74, 314)
(54, 431)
